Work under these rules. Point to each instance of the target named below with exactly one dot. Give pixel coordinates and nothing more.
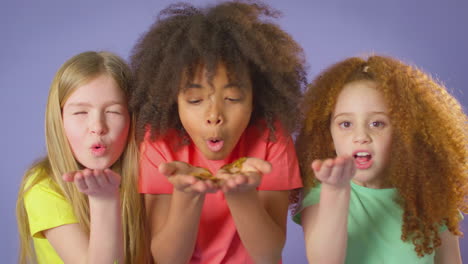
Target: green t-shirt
(46, 209)
(374, 227)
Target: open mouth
(362, 159)
(215, 144)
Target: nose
(98, 125)
(361, 136)
(215, 114)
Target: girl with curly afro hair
(215, 85)
(394, 178)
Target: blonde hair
(74, 73)
(429, 156)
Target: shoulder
(172, 140)
(40, 189)
(38, 178)
(260, 136)
(310, 196)
(261, 129)
(45, 204)
(307, 198)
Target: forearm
(326, 240)
(449, 250)
(106, 235)
(175, 240)
(262, 237)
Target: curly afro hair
(429, 159)
(234, 33)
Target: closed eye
(231, 99)
(80, 113)
(194, 102)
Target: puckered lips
(215, 144)
(362, 159)
(98, 149)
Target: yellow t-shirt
(46, 209)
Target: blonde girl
(79, 204)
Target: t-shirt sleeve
(444, 227)
(309, 198)
(150, 180)
(46, 209)
(285, 174)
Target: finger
(336, 174)
(253, 179)
(113, 177)
(187, 179)
(325, 170)
(260, 165)
(80, 181)
(316, 165)
(167, 169)
(182, 181)
(222, 174)
(90, 179)
(200, 186)
(101, 178)
(213, 189)
(211, 185)
(69, 176)
(241, 179)
(177, 167)
(229, 187)
(350, 168)
(230, 183)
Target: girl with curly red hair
(394, 178)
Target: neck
(380, 183)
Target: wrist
(109, 201)
(239, 195)
(336, 189)
(188, 198)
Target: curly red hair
(428, 164)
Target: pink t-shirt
(218, 240)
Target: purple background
(36, 37)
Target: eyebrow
(347, 114)
(196, 85)
(78, 104)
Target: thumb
(112, 176)
(167, 169)
(68, 177)
(175, 167)
(260, 165)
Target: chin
(97, 165)
(215, 155)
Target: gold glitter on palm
(203, 174)
(234, 167)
